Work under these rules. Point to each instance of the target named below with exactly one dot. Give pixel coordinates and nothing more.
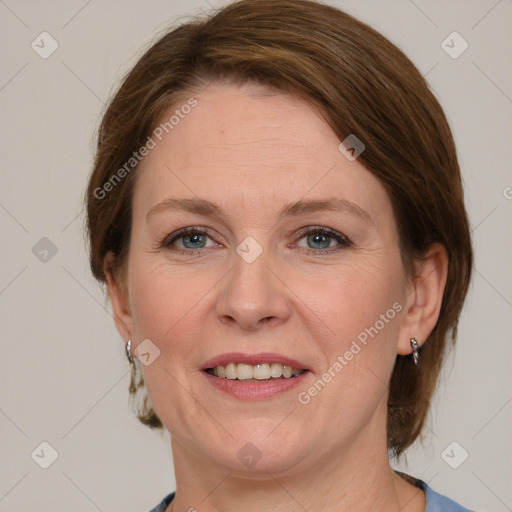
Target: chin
(259, 447)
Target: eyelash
(343, 241)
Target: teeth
(287, 371)
(230, 371)
(262, 371)
(243, 371)
(276, 370)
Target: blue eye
(319, 240)
(323, 241)
(187, 240)
(193, 240)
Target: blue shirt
(435, 502)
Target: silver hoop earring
(129, 351)
(415, 351)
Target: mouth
(261, 372)
(254, 376)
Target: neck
(345, 480)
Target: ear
(425, 297)
(118, 292)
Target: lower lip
(254, 390)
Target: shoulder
(438, 503)
(163, 504)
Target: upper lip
(263, 357)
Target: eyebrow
(301, 207)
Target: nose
(253, 296)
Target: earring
(415, 351)
(129, 351)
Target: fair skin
(306, 297)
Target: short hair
(361, 84)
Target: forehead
(247, 145)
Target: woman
(277, 211)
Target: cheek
(169, 308)
(163, 299)
(363, 307)
(364, 313)
(359, 295)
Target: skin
(252, 151)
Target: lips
(254, 376)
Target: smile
(257, 372)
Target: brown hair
(362, 84)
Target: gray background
(64, 376)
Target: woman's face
(292, 257)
